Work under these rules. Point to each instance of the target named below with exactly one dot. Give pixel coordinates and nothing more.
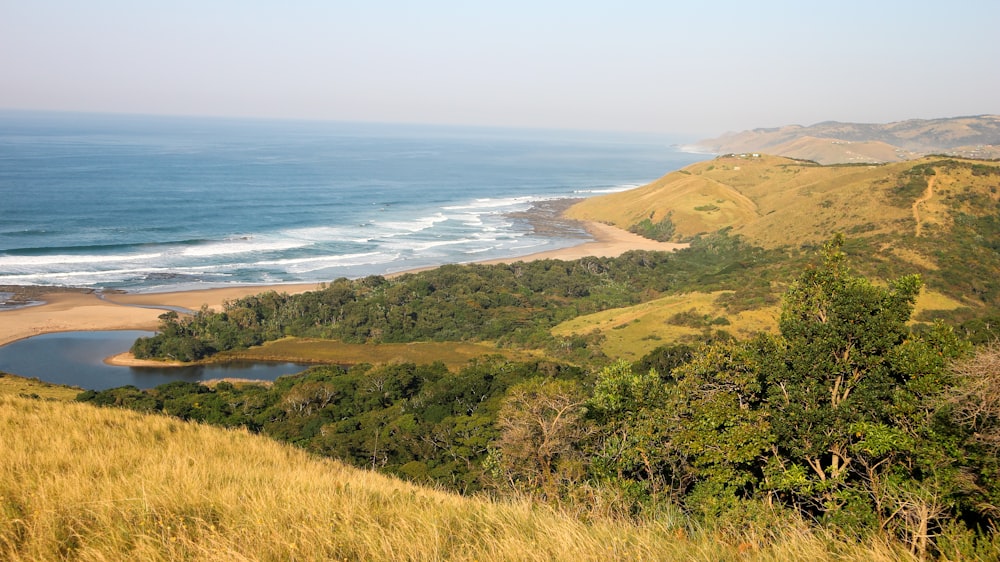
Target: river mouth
(77, 359)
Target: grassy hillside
(85, 483)
(773, 201)
(632, 332)
(778, 202)
(33, 388)
(831, 151)
(452, 354)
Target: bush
(662, 231)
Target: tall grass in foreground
(82, 483)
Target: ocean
(142, 203)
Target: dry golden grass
(933, 300)
(913, 257)
(830, 151)
(695, 202)
(15, 385)
(631, 332)
(453, 354)
(783, 202)
(84, 483)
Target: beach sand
(608, 242)
(72, 310)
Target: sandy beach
(72, 310)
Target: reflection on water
(77, 359)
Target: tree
(541, 424)
(839, 332)
(725, 427)
(973, 404)
(636, 417)
(975, 398)
(838, 416)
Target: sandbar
(74, 310)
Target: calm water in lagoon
(77, 359)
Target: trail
(928, 193)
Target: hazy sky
(692, 67)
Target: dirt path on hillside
(928, 193)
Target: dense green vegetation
(662, 230)
(848, 417)
(970, 260)
(513, 304)
(911, 184)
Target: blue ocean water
(170, 203)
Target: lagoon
(77, 359)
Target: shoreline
(74, 309)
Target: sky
(694, 67)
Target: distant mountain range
(832, 142)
